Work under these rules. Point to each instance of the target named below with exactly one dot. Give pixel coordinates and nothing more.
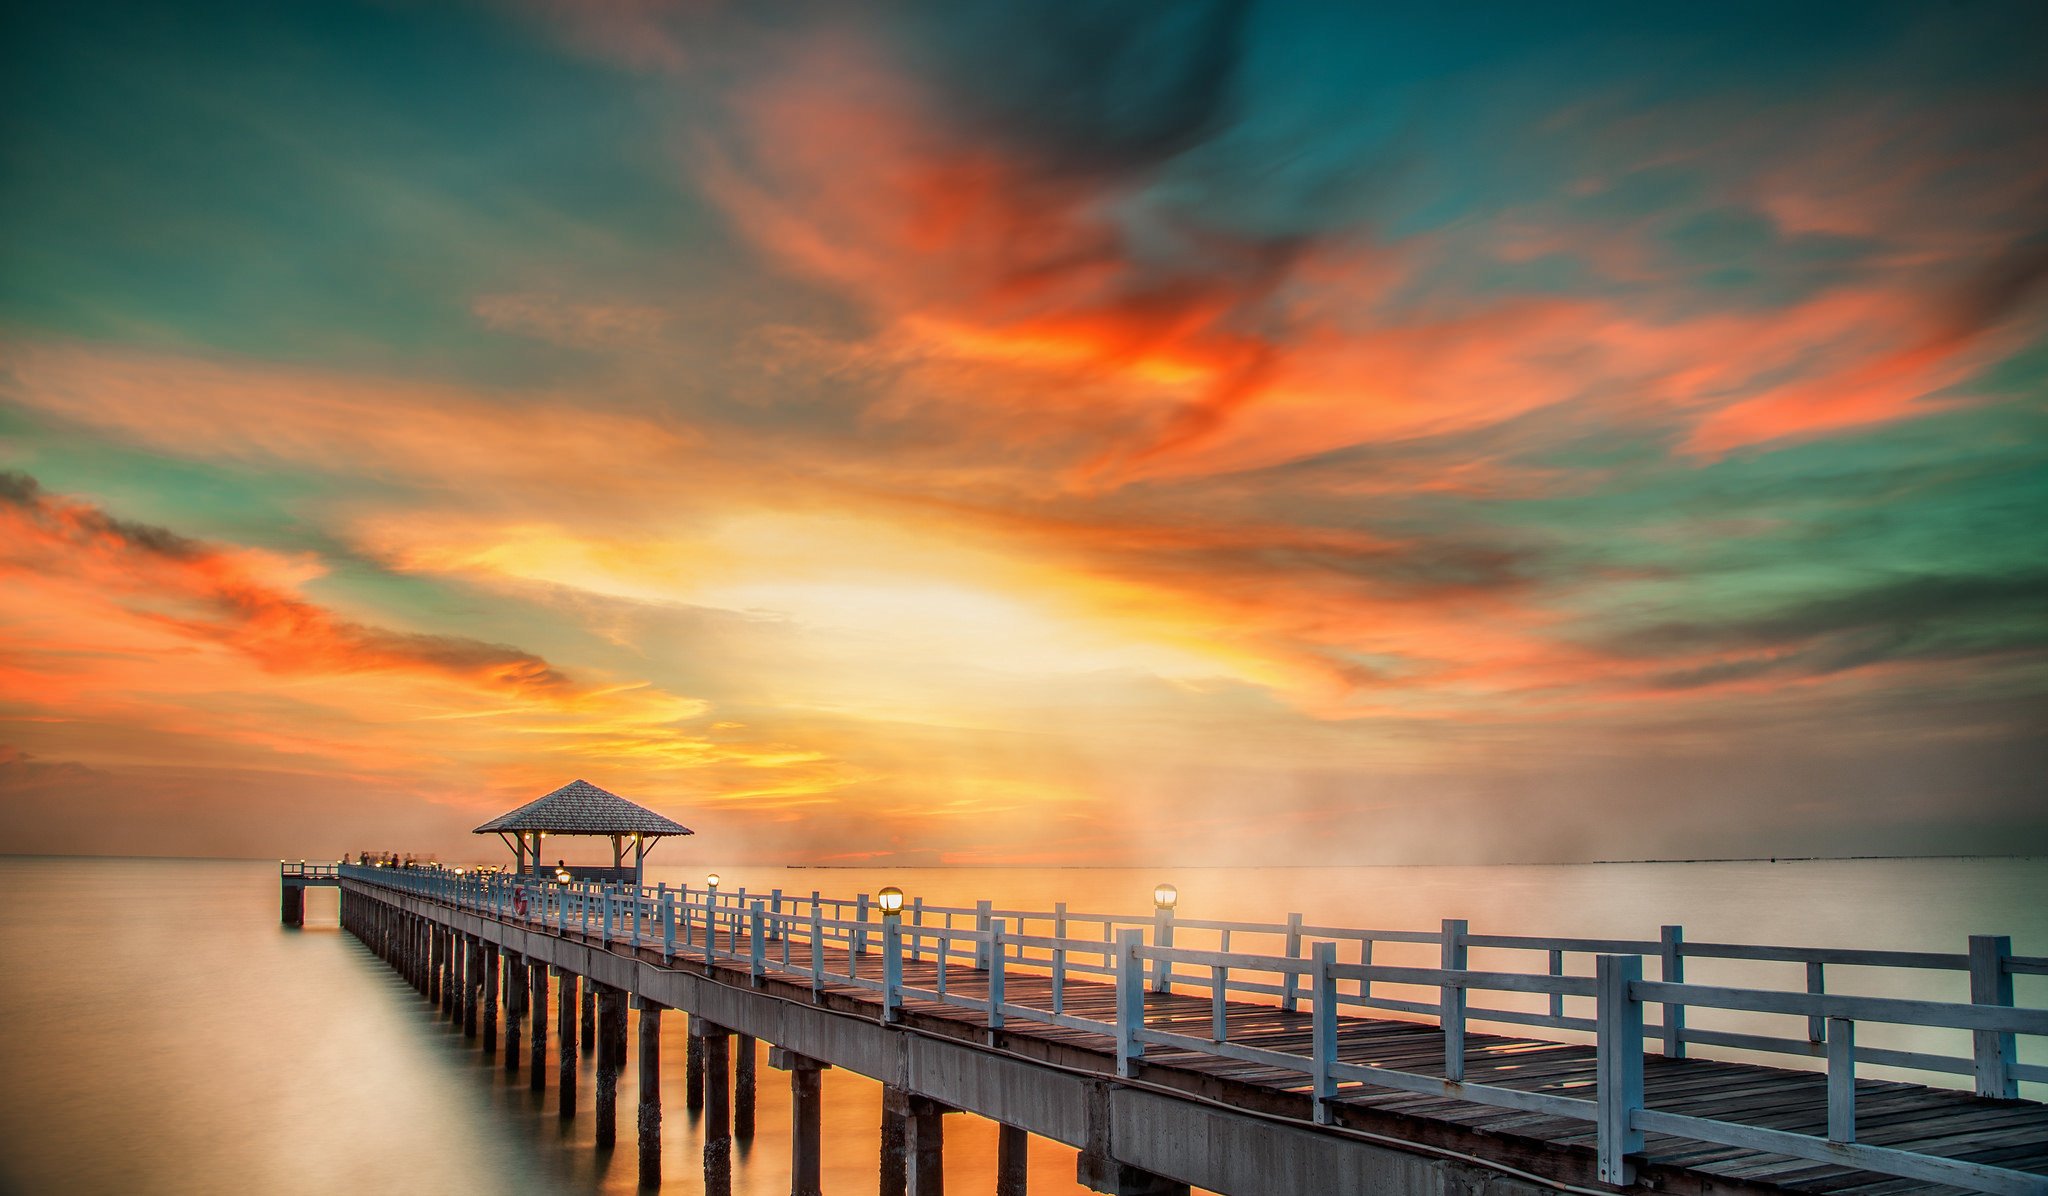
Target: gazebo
(581, 808)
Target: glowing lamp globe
(1164, 896)
(891, 900)
(712, 880)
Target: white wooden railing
(1138, 953)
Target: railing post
(1130, 1002)
(607, 914)
(1290, 981)
(1324, 997)
(1162, 936)
(1816, 983)
(995, 974)
(774, 914)
(1059, 957)
(1620, 1064)
(1672, 941)
(817, 950)
(860, 933)
(668, 924)
(892, 968)
(917, 923)
(757, 943)
(1991, 984)
(1841, 1034)
(1451, 1000)
(639, 900)
(981, 914)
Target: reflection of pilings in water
(650, 1094)
(743, 1087)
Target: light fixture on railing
(562, 874)
(1164, 896)
(891, 901)
(458, 871)
(711, 881)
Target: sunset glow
(1281, 434)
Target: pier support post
(537, 982)
(806, 1156)
(566, 1082)
(490, 999)
(717, 1105)
(589, 1017)
(515, 1008)
(1013, 1143)
(895, 1143)
(913, 1144)
(611, 1056)
(743, 1087)
(437, 963)
(450, 966)
(650, 1093)
(472, 976)
(693, 1068)
(293, 912)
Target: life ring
(519, 903)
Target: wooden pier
(1277, 1070)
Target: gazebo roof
(581, 808)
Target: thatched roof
(581, 808)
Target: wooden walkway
(2011, 1134)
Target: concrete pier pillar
(565, 1081)
(693, 1069)
(515, 1008)
(537, 1001)
(895, 1143)
(434, 964)
(451, 968)
(611, 1056)
(293, 912)
(743, 1052)
(650, 1094)
(717, 1107)
(490, 999)
(1100, 1174)
(589, 1017)
(472, 977)
(926, 1145)
(806, 1155)
(1012, 1145)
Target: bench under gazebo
(581, 808)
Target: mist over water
(164, 1034)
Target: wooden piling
(743, 1087)
(566, 1079)
(1013, 1144)
(650, 1094)
(717, 1107)
(589, 1016)
(472, 977)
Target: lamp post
(890, 899)
(1164, 898)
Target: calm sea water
(162, 1033)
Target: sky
(983, 433)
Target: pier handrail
(792, 935)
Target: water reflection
(165, 1035)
